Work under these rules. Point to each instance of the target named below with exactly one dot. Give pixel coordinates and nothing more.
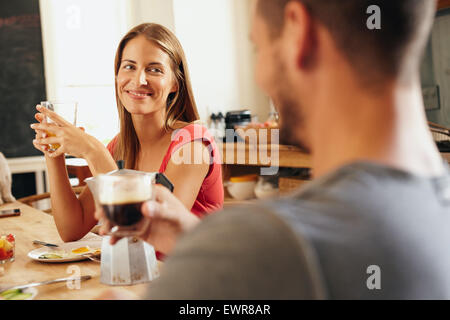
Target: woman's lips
(138, 95)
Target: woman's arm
(74, 217)
(187, 169)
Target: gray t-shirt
(363, 232)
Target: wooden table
(31, 225)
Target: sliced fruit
(81, 250)
(15, 294)
(10, 293)
(50, 256)
(7, 246)
(21, 296)
(9, 254)
(3, 254)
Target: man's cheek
(262, 76)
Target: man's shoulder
(255, 251)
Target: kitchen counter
(264, 155)
(269, 155)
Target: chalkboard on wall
(22, 81)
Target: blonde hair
(180, 104)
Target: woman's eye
(128, 67)
(157, 70)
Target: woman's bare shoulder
(182, 124)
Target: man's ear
(298, 32)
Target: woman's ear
(174, 87)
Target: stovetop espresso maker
(121, 193)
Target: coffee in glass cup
(121, 198)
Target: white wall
(156, 11)
(79, 42)
(249, 93)
(214, 35)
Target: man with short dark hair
(374, 223)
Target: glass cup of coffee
(121, 198)
(65, 109)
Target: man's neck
(388, 128)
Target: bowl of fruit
(7, 244)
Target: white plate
(68, 246)
(32, 290)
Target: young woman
(156, 109)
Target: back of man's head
(393, 48)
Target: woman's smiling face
(145, 78)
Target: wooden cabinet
(244, 158)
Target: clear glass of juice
(65, 109)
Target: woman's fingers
(40, 134)
(49, 140)
(50, 127)
(58, 152)
(40, 117)
(52, 115)
(45, 142)
(40, 147)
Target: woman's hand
(40, 134)
(167, 218)
(71, 140)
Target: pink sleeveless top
(210, 196)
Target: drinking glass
(65, 109)
(121, 198)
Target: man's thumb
(151, 209)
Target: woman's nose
(142, 78)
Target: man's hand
(166, 218)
